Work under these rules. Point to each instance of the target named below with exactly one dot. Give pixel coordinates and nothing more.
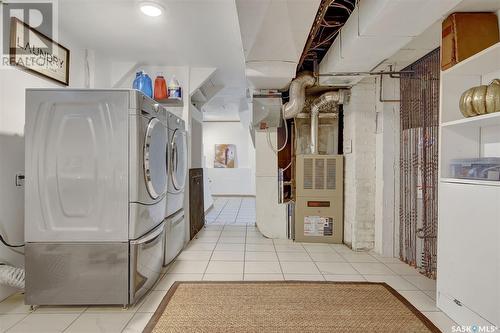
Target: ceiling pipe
(297, 95)
(328, 97)
(391, 73)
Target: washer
(95, 195)
(175, 227)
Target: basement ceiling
(273, 34)
(329, 20)
(196, 33)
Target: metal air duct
(328, 97)
(297, 95)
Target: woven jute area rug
(291, 306)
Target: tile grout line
(238, 213)
(220, 210)
(279, 261)
(17, 323)
(130, 320)
(211, 254)
(314, 262)
(72, 322)
(245, 242)
(350, 263)
(245, 253)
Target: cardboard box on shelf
(465, 34)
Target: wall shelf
(172, 102)
(471, 181)
(483, 62)
(491, 119)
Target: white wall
(13, 83)
(241, 179)
(270, 214)
(372, 167)
(387, 169)
(359, 175)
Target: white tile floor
(231, 248)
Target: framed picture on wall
(225, 156)
(34, 52)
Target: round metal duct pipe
(297, 95)
(328, 97)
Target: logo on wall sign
(38, 15)
(29, 40)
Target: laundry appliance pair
(104, 191)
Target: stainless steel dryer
(96, 184)
(175, 228)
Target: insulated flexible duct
(297, 95)
(328, 97)
(11, 276)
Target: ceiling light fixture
(151, 8)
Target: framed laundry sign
(34, 52)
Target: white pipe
(328, 97)
(297, 95)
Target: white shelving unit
(468, 278)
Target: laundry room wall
(241, 179)
(13, 83)
(360, 166)
(124, 77)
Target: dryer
(95, 195)
(177, 170)
(175, 228)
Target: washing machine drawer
(146, 261)
(175, 234)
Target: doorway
(419, 164)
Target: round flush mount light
(151, 8)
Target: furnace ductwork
(328, 97)
(297, 95)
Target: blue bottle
(147, 85)
(143, 83)
(135, 85)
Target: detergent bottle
(160, 87)
(135, 85)
(143, 83)
(174, 88)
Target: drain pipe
(328, 97)
(297, 95)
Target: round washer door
(178, 160)
(155, 163)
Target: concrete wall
(237, 181)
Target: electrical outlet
(19, 179)
(348, 147)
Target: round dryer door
(155, 164)
(178, 161)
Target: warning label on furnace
(318, 226)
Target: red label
(318, 204)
